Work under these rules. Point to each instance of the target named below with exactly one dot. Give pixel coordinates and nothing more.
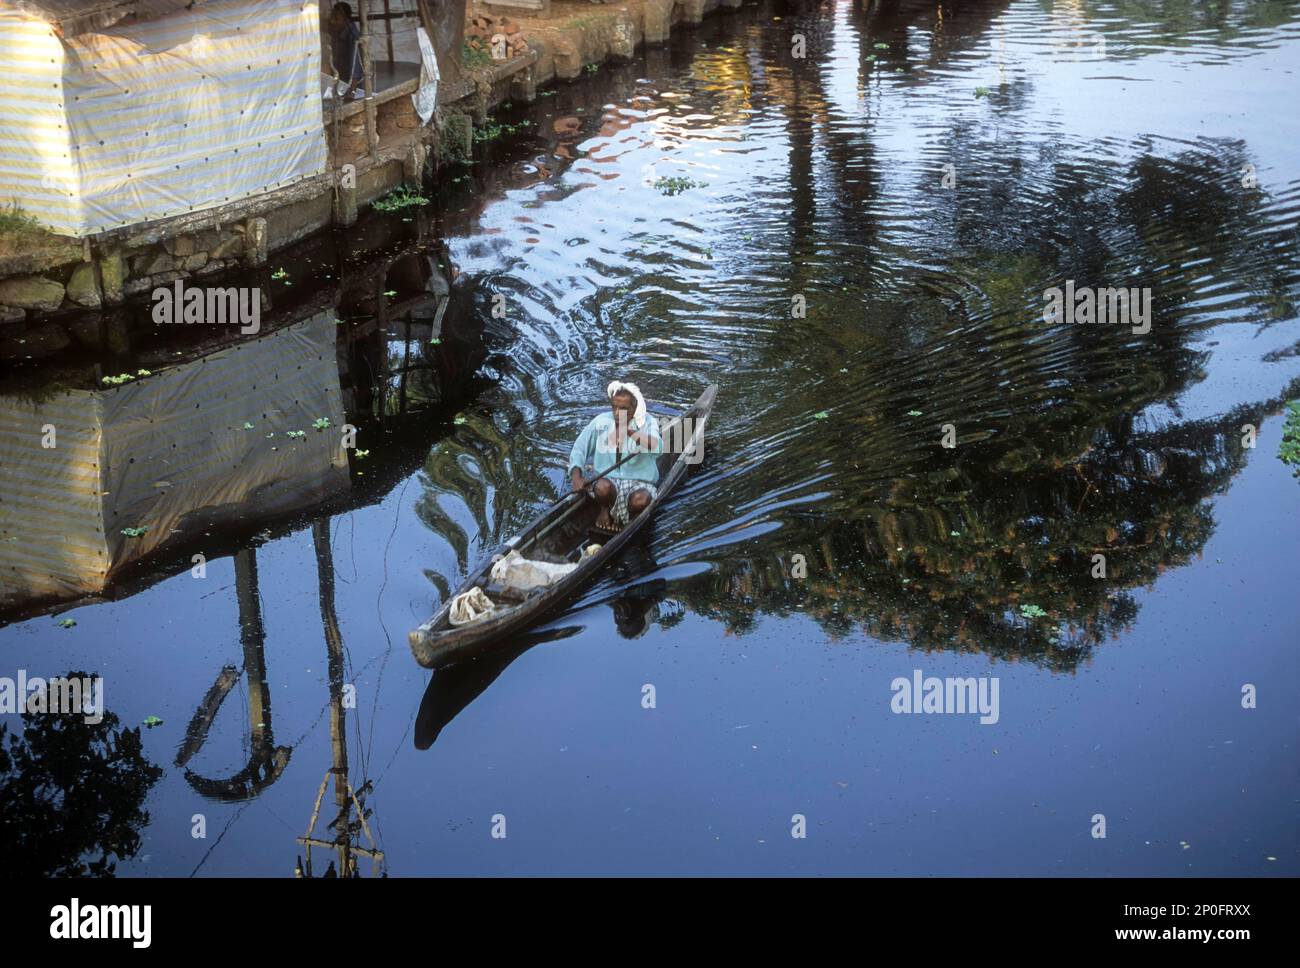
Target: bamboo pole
(388, 24)
(368, 68)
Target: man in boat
(624, 430)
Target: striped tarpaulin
(162, 117)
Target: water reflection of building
(176, 453)
(210, 438)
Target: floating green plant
(279, 274)
(1032, 611)
(247, 425)
(1289, 449)
(118, 380)
(321, 423)
(820, 415)
(675, 185)
(134, 532)
(66, 623)
(152, 721)
(981, 92)
(493, 130)
(399, 198)
(459, 421)
(296, 434)
(362, 453)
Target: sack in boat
(469, 607)
(523, 575)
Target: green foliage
(474, 58)
(15, 221)
(492, 130)
(134, 532)
(399, 198)
(675, 186)
(1289, 449)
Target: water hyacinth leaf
(676, 185)
(1289, 449)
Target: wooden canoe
(438, 643)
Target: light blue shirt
(593, 451)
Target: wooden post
(388, 23)
(368, 67)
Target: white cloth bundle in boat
(522, 574)
(469, 607)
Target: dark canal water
(1114, 144)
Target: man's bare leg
(605, 493)
(637, 502)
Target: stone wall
(106, 274)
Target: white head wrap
(638, 418)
